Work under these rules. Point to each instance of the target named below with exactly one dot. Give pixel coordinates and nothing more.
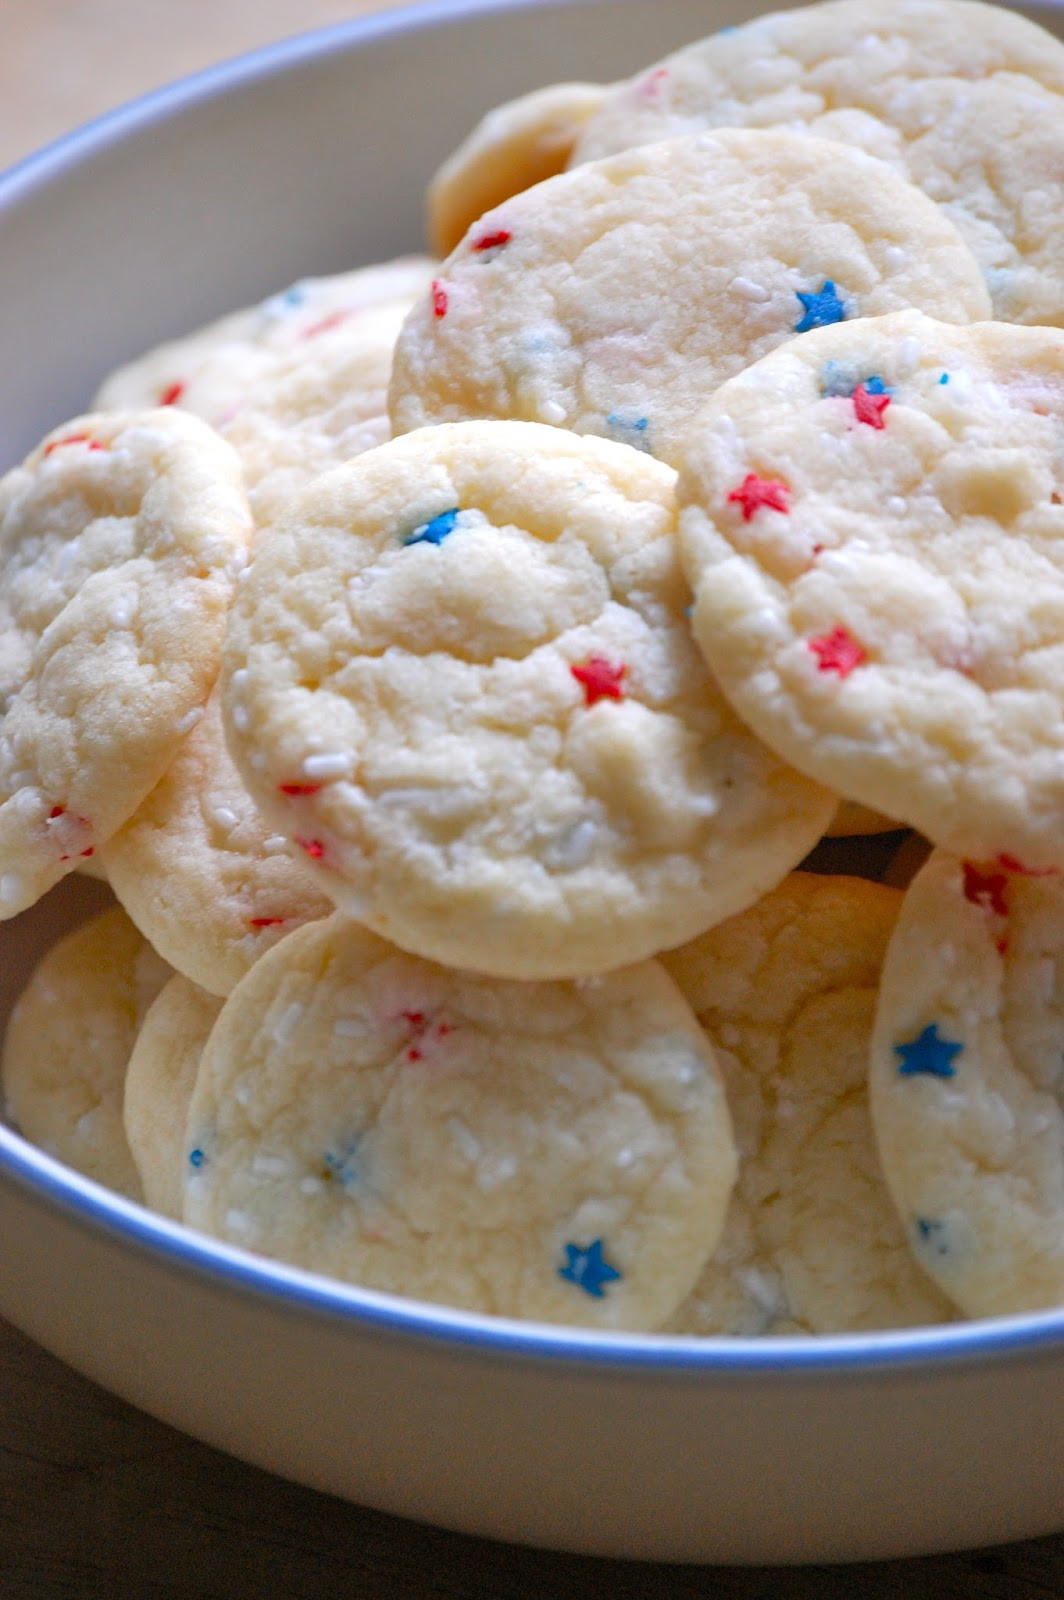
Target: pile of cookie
(450, 666)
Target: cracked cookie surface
(967, 1082)
(460, 678)
(556, 1151)
(610, 300)
(811, 1242)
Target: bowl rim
(99, 1211)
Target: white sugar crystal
(189, 720)
(895, 257)
(237, 1221)
(267, 1166)
(240, 718)
(350, 1027)
(897, 506)
(239, 678)
(288, 1021)
(749, 290)
(274, 844)
(311, 1186)
(10, 887)
(465, 1139)
(223, 816)
(552, 411)
(328, 764)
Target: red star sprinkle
(985, 888)
(265, 922)
(299, 788)
(1011, 864)
(172, 395)
(600, 678)
(755, 492)
(333, 320)
(870, 407)
(491, 240)
(74, 438)
(837, 651)
(439, 298)
(314, 848)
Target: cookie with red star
(963, 99)
(121, 539)
(559, 1151)
(460, 679)
(892, 623)
(967, 1090)
(614, 298)
(511, 148)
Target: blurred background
(64, 61)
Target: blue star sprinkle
(196, 1158)
(436, 531)
(933, 1236)
(821, 308)
(875, 385)
(341, 1166)
(944, 378)
(588, 1269)
(928, 1053)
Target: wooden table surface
(97, 1500)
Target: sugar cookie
(964, 99)
(510, 149)
(202, 874)
(611, 300)
(460, 677)
(314, 407)
(120, 540)
(556, 1151)
(871, 520)
(967, 1084)
(213, 371)
(159, 1082)
(68, 1042)
(811, 1243)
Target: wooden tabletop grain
(98, 1501)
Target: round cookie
(967, 1088)
(460, 678)
(871, 522)
(555, 1151)
(962, 98)
(811, 1242)
(317, 405)
(213, 371)
(68, 1042)
(611, 300)
(201, 873)
(120, 540)
(159, 1082)
(511, 148)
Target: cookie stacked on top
(703, 486)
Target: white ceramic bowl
(308, 158)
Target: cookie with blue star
(461, 681)
(614, 298)
(967, 1086)
(871, 520)
(786, 992)
(962, 99)
(555, 1151)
